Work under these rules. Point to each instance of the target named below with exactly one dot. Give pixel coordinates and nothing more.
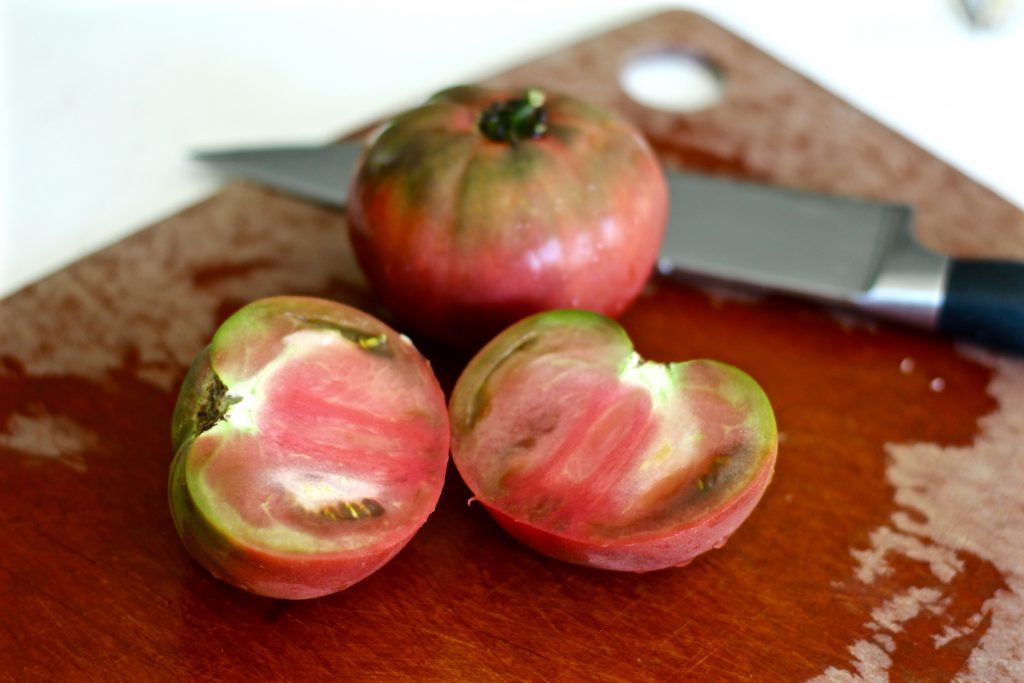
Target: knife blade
(834, 249)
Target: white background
(102, 99)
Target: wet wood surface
(886, 548)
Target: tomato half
(588, 453)
(311, 443)
(483, 206)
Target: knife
(833, 249)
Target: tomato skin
(586, 453)
(311, 442)
(640, 555)
(462, 235)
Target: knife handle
(985, 303)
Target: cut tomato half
(588, 453)
(311, 443)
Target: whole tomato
(482, 206)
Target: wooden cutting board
(890, 543)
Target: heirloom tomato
(588, 453)
(482, 206)
(311, 442)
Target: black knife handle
(985, 303)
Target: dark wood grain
(854, 564)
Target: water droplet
(907, 366)
(937, 384)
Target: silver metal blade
(829, 248)
(320, 172)
(825, 247)
(787, 239)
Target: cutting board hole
(672, 80)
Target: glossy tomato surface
(482, 206)
(311, 443)
(588, 453)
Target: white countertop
(102, 99)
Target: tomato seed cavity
(346, 511)
(373, 343)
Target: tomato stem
(520, 118)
